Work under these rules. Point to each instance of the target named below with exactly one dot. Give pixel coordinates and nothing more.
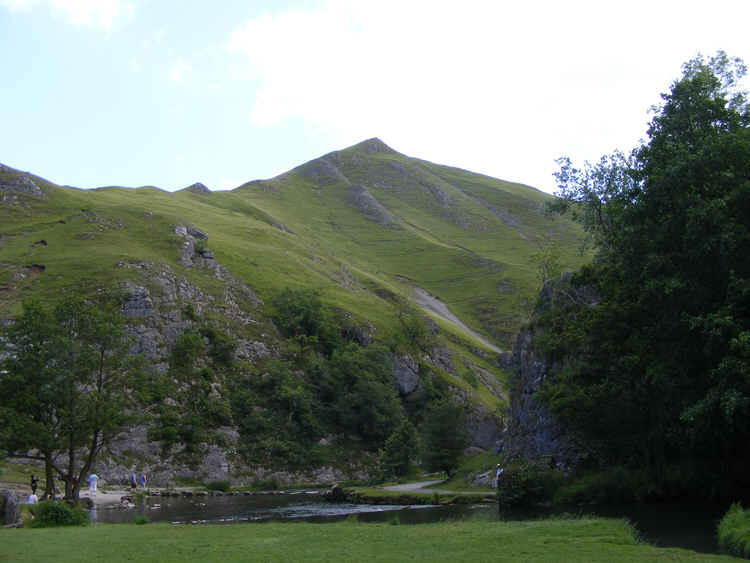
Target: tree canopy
(63, 386)
(657, 374)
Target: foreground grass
(550, 540)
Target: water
(270, 507)
(687, 526)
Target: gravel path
(431, 303)
(420, 488)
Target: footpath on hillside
(432, 303)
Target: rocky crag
(532, 433)
(157, 311)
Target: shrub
(51, 513)
(525, 483)
(616, 485)
(734, 532)
(140, 520)
(218, 486)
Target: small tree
(400, 448)
(444, 435)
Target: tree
(444, 435)
(658, 371)
(64, 386)
(191, 404)
(401, 447)
(358, 395)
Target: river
(688, 526)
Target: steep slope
(404, 224)
(367, 226)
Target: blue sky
(167, 93)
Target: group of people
(34, 499)
(134, 481)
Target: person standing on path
(143, 480)
(133, 482)
(93, 479)
(34, 483)
(498, 476)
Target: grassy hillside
(368, 227)
(357, 223)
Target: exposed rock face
(11, 512)
(532, 431)
(139, 303)
(363, 200)
(484, 428)
(406, 374)
(16, 187)
(322, 171)
(197, 188)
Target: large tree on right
(657, 374)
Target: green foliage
(734, 532)
(52, 513)
(190, 401)
(547, 260)
(659, 370)
(618, 485)
(526, 483)
(274, 416)
(412, 335)
(401, 447)
(140, 520)
(300, 314)
(223, 486)
(357, 392)
(444, 435)
(62, 388)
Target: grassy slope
(552, 540)
(465, 238)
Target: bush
(218, 486)
(617, 485)
(526, 483)
(734, 532)
(140, 520)
(51, 513)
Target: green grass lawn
(550, 540)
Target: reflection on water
(671, 525)
(259, 508)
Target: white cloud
(498, 87)
(99, 14)
(178, 70)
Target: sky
(172, 92)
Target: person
(133, 482)
(143, 480)
(34, 483)
(33, 499)
(93, 478)
(498, 475)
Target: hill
(369, 228)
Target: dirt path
(420, 488)
(432, 303)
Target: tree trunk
(49, 474)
